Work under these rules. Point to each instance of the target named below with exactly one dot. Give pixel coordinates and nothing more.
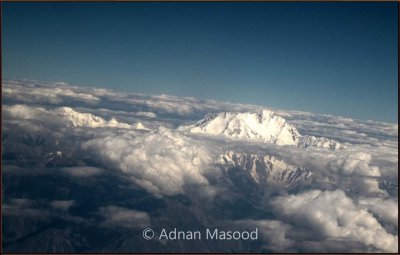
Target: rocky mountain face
(264, 168)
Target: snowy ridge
(262, 126)
(77, 119)
(264, 168)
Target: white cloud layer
(62, 204)
(55, 93)
(334, 215)
(385, 209)
(161, 161)
(116, 216)
(82, 171)
(272, 232)
(351, 194)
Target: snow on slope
(77, 119)
(262, 126)
(307, 141)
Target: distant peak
(79, 119)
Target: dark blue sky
(336, 58)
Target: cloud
(385, 209)
(334, 127)
(166, 162)
(23, 207)
(20, 111)
(147, 114)
(56, 93)
(342, 129)
(273, 233)
(28, 114)
(116, 216)
(354, 164)
(332, 214)
(161, 161)
(63, 205)
(171, 107)
(356, 168)
(82, 171)
(39, 209)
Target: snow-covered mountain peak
(262, 125)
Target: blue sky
(335, 58)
